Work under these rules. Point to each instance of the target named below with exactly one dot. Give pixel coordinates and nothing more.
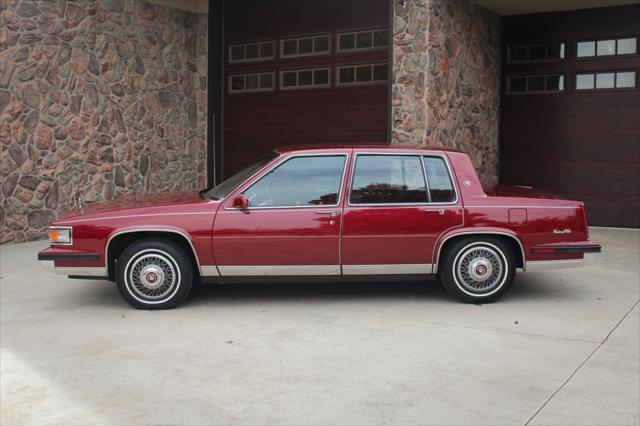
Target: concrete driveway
(561, 348)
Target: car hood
(145, 202)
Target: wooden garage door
(571, 109)
(303, 72)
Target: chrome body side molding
(250, 271)
(397, 269)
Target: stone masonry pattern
(446, 79)
(104, 98)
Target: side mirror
(240, 202)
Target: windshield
(224, 188)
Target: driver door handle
(329, 212)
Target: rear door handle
(439, 211)
(329, 212)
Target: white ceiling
(517, 7)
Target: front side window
(440, 183)
(381, 179)
(300, 182)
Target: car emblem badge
(562, 231)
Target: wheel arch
(119, 240)
(508, 238)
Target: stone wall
(446, 79)
(105, 98)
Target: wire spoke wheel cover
(480, 269)
(152, 276)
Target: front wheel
(154, 274)
(478, 270)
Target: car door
(398, 205)
(292, 223)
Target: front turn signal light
(60, 236)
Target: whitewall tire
(478, 270)
(154, 273)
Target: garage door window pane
(237, 53)
(380, 38)
(584, 81)
(586, 48)
(290, 47)
(252, 51)
(346, 75)
(347, 41)
(363, 73)
(440, 184)
(605, 80)
(266, 50)
(537, 53)
(237, 83)
(555, 83)
(305, 78)
(555, 51)
(305, 45)
(363, 40)
(626, 79)
(251, 81)
(380, 179)
(380, 72)
(321, 77)
(289, 79)
(321, 44)
(606, 47)
(535, 84)
(301, 181)
(627, 46)
(266, 81)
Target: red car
(326, 213)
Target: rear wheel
(478, 270)
(154, 274)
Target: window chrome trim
(426, 204)
(278, 270)
(436, 259)
(70, 228)
(129, 231)
(283, 160)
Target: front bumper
(73, 263)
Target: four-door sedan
(326, 213)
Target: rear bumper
(567, 248)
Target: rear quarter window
(441, 188)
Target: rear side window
(440, 185)
(380, 179)
(300, 181)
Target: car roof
(359, 146)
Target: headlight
(60, 235)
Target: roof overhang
(519, 7)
